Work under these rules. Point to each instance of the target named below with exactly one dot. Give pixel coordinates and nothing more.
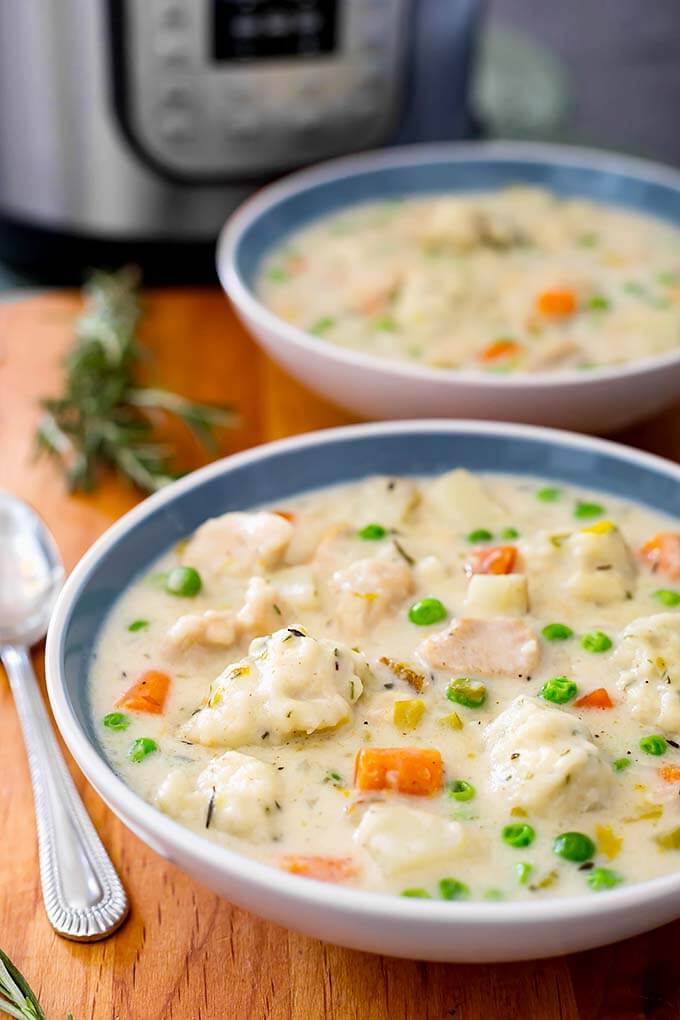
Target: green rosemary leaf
(103, 419)
(17, 998)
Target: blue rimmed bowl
(371, 921)
(600, 400)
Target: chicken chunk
(544, 759)
(237, 544)
(260, 614)
(236, 794)
(364, 592)
(500, 646)
(649, 659)
(400, 838)
(289, 683)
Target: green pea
(667, 597)
(116, 721)
(494, 894)
(599, 303)
(600, 879)
(509, 533)
(559, 690)
(372, 532)
(416, 894)
(557, 632)
(426, 612)
(184, 582)
(386, 324)
(596, 641)
(480, 535)
(667, 279)
(277, 274)
(574, 846)
(465, 692)
(141, 748)
(518, 835)
(138, 625)
(653, 744)
(460, 789)
(452, 889)
(549, 494)
(322, 325)
(523, 872)
(585, 510)
(588, 240)
(621, 764)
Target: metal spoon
(83, 895)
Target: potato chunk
(236, 794)
(544, 759)
(462, 501)
(402, 838)
(602, 566)
(500, 646)
(288, 683)
(237, 544)
(649, 659)
(497, 595)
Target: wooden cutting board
(184, 954)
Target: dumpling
(649, 659)
(288, 683)
(543, 759)
(399, 838)
(236, 794)
(238, 544)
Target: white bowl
(423, 929)
(600, 400)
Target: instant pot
(131, 128)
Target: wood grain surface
(184, 954)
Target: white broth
(417, 686)
(517, 280)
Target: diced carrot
(499, 350)
(413, 770)
(671, 773)
(557, 304)
(287, 515)
(662, 554)
(598, 698)
(147, 694)
(325, 869)
(296, 264)
(497, 559)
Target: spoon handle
(84, 897)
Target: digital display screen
(266, 29)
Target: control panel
(228, 89)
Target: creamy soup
(517, 280)
(463, 686)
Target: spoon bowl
(31, 573)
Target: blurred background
(129, 129)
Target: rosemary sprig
(103, 418)
(17, 998)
